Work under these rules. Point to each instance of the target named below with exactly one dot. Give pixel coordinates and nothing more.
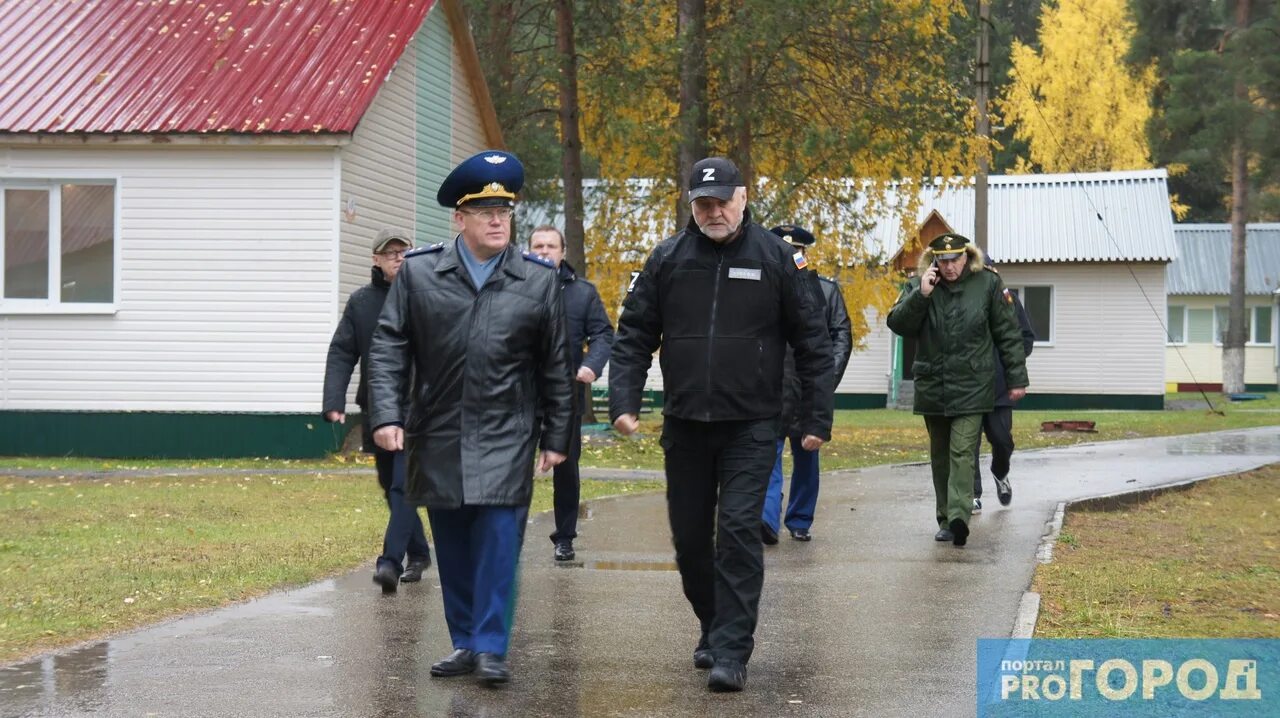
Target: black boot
(492, 669)
(728, 676)
(458, 663)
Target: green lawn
(1204, 562)
(883, 436)
(82, 558)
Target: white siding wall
(1202, 363)
(1107, 339)
(378, 173)
(226, 297)
(869, 367)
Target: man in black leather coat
(479, 328)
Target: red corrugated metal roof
(197, 66)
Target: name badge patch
(744, 273)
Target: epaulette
(827, 279)
(425, 250)
(530, 257)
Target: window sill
(59, 309)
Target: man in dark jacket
(957, 311)
(723, 298)
(480, 329)
(997, 424)
(803, 495)
(350, 345)
(588, 324)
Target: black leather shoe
(943, 535)
(492, 669)
(459, 663)
(413, 572)
(801, 534)
(768, 535)
(387, 578)
(564, 551)
(727, 676)
(703, 658)
(959, 532)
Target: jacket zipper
(711, 329)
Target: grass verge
(1198, 563)
(80, 559)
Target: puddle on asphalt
(1225, 445)
(75, 675)
(629, 565)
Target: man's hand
(929, 280)
(627, 424)
(811, 442)
(585, 375)
(335, 417)
(1016, 394)
(549, 460)
(389, 438)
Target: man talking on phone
(957, 311)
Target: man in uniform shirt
(480, 329)
(723, 298)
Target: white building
(1199, 283)
(188, 199)
(1086, 253)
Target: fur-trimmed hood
(976, 259)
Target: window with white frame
(1257, 318)
(59, 242)
(1177, 324)
(1199, 326)
(1038, 303)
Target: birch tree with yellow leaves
(1077, 103)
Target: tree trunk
(570, 139)
(691, 29)
(1237, 321)
(742, 140)
(571, 156)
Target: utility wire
(1062, 155)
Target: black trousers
(404, 534)
(566, 486)
(717, 473)
(998, 426)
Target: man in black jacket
(997, 424)
(724, 297)
(350, 345)
(479, 329)
(802, 497)
(588, 324)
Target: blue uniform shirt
(479, 271)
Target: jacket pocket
(922, 368)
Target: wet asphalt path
(872, 618)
